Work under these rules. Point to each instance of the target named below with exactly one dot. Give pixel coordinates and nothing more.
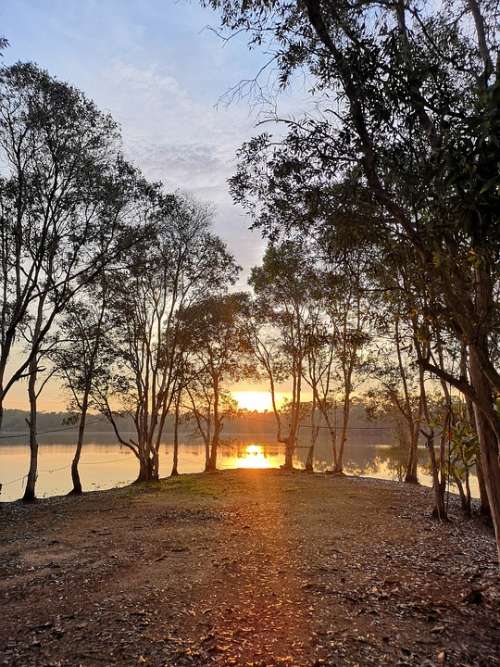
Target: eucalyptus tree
(347, 309)
(272, 361)
(65, 197)
(320, 374)
(411, 120)
(398, 389)
(80, 358)
(282, 286)
(218, 352)
(180, 264)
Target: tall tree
(79, 357)
(179, 265)
(218, 347)
(282, 285)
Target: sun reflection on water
(252, 457)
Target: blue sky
(159, 70)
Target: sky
(161, 72)
(156, 66)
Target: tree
(217, 344)
(282, 285)
(182, 263)
(79, 357)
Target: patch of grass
(196, 485)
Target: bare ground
(246, 568)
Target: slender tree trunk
(411, 474)
(29, 492)
(143, 471)
(468, 497)
(310, 460)
(461, 492)
(471, 418)
(438, 487)
(175, 471)
(333, 434)
(75, 474)
(207, 456)
(212, 464)
(484, 508)
(488, 440)
(214, 445)
(208, 440)
(339, 467)
(314, 436)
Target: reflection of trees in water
(366, 457)
(237, 447)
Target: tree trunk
(29, 492)
(339, 466)
(314, 436)
(488, 441)
(411, 475)
(175, 462)
(438, 487)
(212, 461)
(214, 445)
(484, 508)
(289, 449)
(146, 470)
(310, 460)
(207, 455)
(75, 474)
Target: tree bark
(339, 466)
(75, 474)
(289, 450)
(438, 485)
(488, 441)
(484, 508)
(411, 474)
(29, 492)
(175, 461)
(146, 470)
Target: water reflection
(252, 456)
(105, 464)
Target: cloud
(181, 140)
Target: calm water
(105, 464)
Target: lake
(105, 464)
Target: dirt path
(246, 568)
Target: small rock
(474, 597)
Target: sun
(254, 400)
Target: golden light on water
(253, 457)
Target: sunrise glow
(256, 400)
